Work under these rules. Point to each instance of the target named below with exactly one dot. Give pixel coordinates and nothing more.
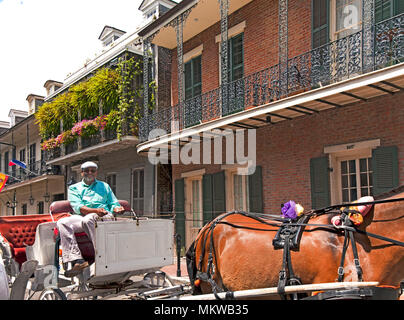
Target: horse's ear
(385, 169)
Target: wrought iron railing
(86, 142)
(34, 169)
(331, 63)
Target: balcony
(322, 68)
(34, 170)
(103, 142)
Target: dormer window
(151, 13)
(109, 35)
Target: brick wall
(284, 150)
(260, 40)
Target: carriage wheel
(52, 294)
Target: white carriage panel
(124, 246)
(43, 249)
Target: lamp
(31, 198)
(47, 195)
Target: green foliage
(116, 91)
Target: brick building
(320, 82)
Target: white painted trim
(193, 173)
(319, 93)
(193, 53)
(233, 31)
(341, 149)
(338, 153)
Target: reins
(286, 276)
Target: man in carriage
(91, 200)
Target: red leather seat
(19, 231)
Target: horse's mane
(389, 193)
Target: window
(348, 17)
(138, 191)
(193, 204)
(21, 171)
(40, 207)
(111, 180)
(235, 88)
(351, 176)
(320, 25)
(356, 178)
(336, 19)
(196, 203)
(385, 9)
(236, 57)
(32, 156)
(22, 155)
(193, 78)
(6, 161)
(24, 209)
(193, 90)
(237, 190)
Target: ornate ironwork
(368, 21)
(336, 61)
(224, 55)
(283, 44)
(146, 58)
(389, 42)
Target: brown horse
(246, 259)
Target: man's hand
(119, 209)
(101, 212)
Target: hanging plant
(116, 91)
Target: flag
(3, 180)
(14, 162)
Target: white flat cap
(88, 164)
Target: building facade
(53, 157)
(318, 83)
(30, 190)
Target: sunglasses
(90, 170)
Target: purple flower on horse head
(289, 210)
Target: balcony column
(79, 140)
(283, 47)
(100, 113)
(178, 24)
(224, 53)
(368, 24)
(146, 58)
(62, 146)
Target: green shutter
(320, 182)
(398, 7)
(207, 195)
(320, 24)
(219, 193)
(180, 209)
(255, 191)
(385, 169)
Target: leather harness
(287, 238)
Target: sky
(44, 40)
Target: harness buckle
(282, 275)
(341, 271)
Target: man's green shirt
(96, 195)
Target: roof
(109, 28)
(52, 81)
(165, 17)
(144, 1)
(34, 96)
